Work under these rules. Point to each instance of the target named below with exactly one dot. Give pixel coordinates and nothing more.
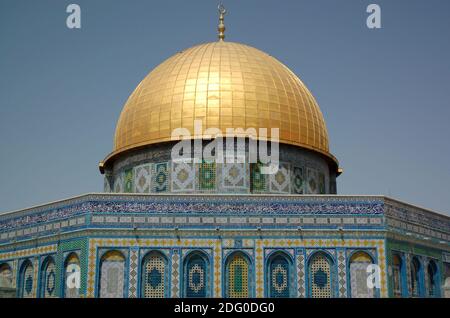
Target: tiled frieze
(342, 273)
(301, 271)
(133, 273)
(176, 269)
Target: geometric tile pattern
(142, 179)
(118, 183)
(175, 273)
(26, 280)
(128, 181)
(301, 282)
(133, 279)
(298, 180)
(320, 273)
(183, 176)
(259, 267)
(49, 280)
(279, 277)
(312, 181)
(154, 276)
(342, 274)
(217, 244)
(160, 177)
(233, 176)
(280, 181)
(206, 176)
(258, 180)
(217, 268)
(196, 277)
(237, 272)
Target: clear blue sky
(384, 93)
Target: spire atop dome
(221, 27)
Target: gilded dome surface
(225, 85)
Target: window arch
(358, 275)
(279, 276)
(6, 276)
(432, 279)
(26, 280)
(196, 275)
(320, 276)
(48, 278)
(397, 281)
(112, 274)
(237, 276)
(415, 273)
(72, 274)
(154, 276)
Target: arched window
(415, 277)
(358, 275)
(433, 280)
(397, 266)
(5, 276)
(154, 276)
(26, 280)
(279, 273)
(320, 276)
(237, 276)
(48, 278)
(112, 273)
(72, 272)
(196, 275)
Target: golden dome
(226, 85)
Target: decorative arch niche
(154, 282)
(112, 275)
(196, 275)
